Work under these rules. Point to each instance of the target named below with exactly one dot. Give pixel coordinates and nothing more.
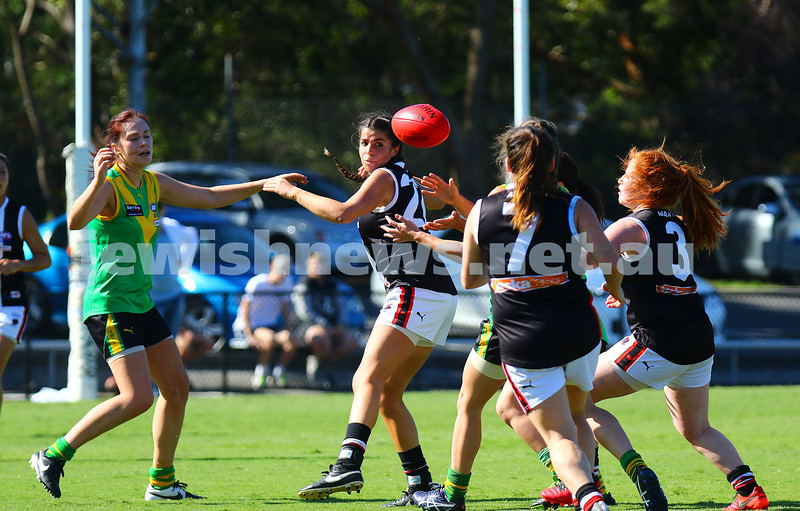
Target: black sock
(354, 445)
(742, 480)
(416, 469)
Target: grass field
(255, 451)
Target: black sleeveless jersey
(542, 310)
(12, 287)
(665, 312)
(403, 263)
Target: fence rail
(759, 344)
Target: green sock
(544, 457)
(61, 450)
(456, 484)
(161, 478)
(631, 461)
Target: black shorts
(487, 345)
(118, 332)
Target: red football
(420, 125)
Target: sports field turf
(256, 451)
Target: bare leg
(476, 390)
(607, 429)
(6, 347)
(553, 419)
(689, 411)
(135, 397)
(509, 410)
(169, 374)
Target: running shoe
(756, 500)
(650, 490)
(542, 503)
(436, 500)
(48, 471)
(600, 506)
(407, 498)
(339, 478)
(558, 495)
(175, 492)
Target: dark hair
(530, 151)
(567, 174)
(5, 159)
(379, 120)
(114, 129)
(661, 181)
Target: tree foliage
(716, 79)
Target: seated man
(328, 319)
(263, 319)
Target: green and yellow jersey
(121, 246)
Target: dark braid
(349, 175)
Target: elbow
(73, 224)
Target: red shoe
(756, 500)
(558, 495)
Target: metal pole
(229, 91)
(522, 94)
(82, 366)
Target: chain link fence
(758, 344)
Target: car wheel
(38, 314)
(201, 317)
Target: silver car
(763, 223)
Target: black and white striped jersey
(12, 287)
(404, 263)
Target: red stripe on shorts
(403, 312)
(526, 407)
(630, 356)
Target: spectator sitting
(327, 312)
(263, 319)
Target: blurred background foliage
(717, 80)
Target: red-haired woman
(671, 346)
(120, 206)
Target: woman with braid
(120, 207)
(671, 346)
(419, 308)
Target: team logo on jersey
(501, 285)
(15, 294)
(5, 235)
(133, 210)
(153, 207)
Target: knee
(176, 391)
(391, 402)
(137, 402)
(507, 413)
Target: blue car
(228, 256)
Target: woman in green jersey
(120, 207)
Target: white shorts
(534, 386)
(485, 367)
(424, 316)
(641, 367)
(12, 321)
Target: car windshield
(228, 246)
(793, 194)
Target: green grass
(255, 451)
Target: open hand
(399, 228)
(452, 221)
(435, 186)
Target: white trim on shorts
(12, 321)
(532, 387)
(644, 367)
(485, 367)
(128, 351)
(424, 316)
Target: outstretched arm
(402, 229)
(447, 192)
(376, 191)
(181, 194)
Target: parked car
(280, 220)
(228, 256)
(204, 285)
(473, 304)
(763, 223)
